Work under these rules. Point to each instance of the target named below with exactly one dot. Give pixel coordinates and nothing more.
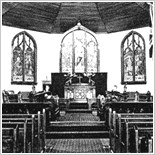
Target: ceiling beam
(101, 17)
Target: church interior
(77, 77)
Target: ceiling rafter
(56, 16)
(143, 5)
(99, 17)
(7, 6)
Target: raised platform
(78, 117)
(78, 105)
(77, 125)
(78, 110)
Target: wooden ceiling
(100, 17)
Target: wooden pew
(117, 126)
(10, 138)
(7, 130)
(34, 128)
(129, 107)
(124, 125)
(141, 134)
(24, 125)
(128, 135)
(9, 96)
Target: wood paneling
(59, 17)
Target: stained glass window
(66, 54)
(133, 59)
(24, 59)
(79, 51)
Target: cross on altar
(79, 77)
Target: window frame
(72, 33)
(132, 33)
(24, 82)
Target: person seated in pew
(32, 94)
(19, 97)
(37, 96)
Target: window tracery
(24, 59)
(79, 51)
(133, 59)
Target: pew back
(20, 140)
(9, 139)
(33, 131)
(121, 127)
(143, 139)
(129, 134)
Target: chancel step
(77, 126)
(77, 129)
(79, 122)
(78, 110)
(78, 105)
(77, 134)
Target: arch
(133, 59)
(24, 59)
(79, 51)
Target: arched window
(133, 63)
(79, 51)
(24, 59)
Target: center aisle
(79, 145)
(77, 132)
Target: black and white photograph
(77, 77)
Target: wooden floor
(77, 145)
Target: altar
(79, 88)
(79, 80)
(80, 91)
